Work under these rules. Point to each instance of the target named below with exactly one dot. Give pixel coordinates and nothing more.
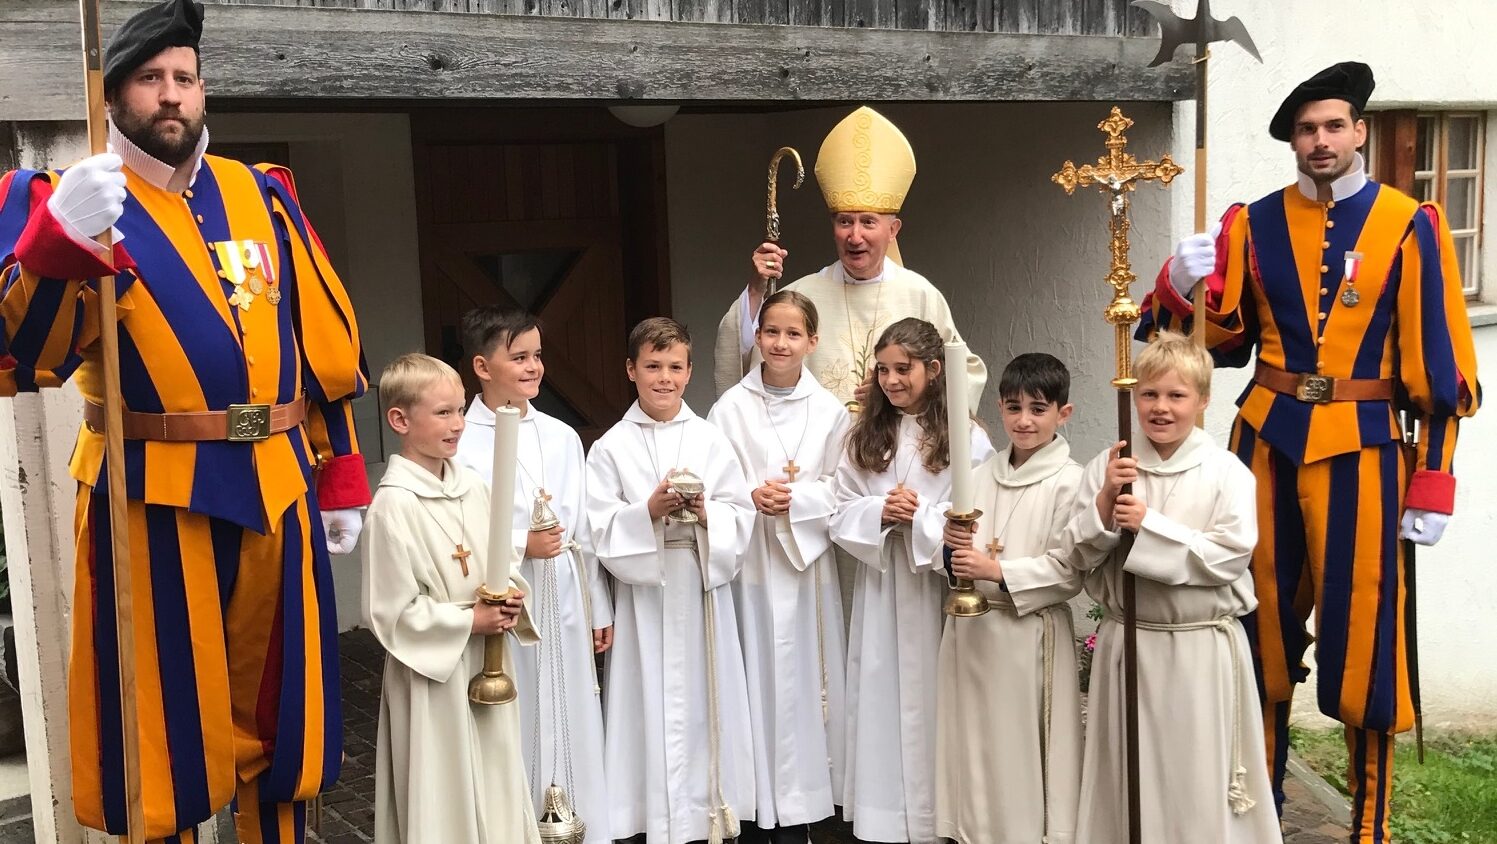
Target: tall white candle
(958, 415)
(502, 499)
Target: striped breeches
(1328, 542)
(236, 672)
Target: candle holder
(964, 601)
(492, 686)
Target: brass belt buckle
(249, 423)
(1315, 389)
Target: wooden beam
(256, 52)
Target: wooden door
(542, 225)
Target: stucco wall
(1422, 56)
(1020, 263)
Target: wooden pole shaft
(1130, 640)
(114, 449)
(1198, 295)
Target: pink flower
(1091, 643)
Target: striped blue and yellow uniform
(235, 628)
(1332, 477)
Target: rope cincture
(722, 824)
(1237, 796)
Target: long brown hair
(871, 443)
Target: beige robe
(1203, 767)
(1008, 750)
(447, 771)
(853, 315)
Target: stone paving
(348, 809)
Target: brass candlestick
(964, 601)
(492, 686)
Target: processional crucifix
(1117, 174)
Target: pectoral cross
(995, 548)
(461, 555)
(790, 470)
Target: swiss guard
(239, 355)
(1350, 293)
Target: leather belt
(1322, 389)
(240, 423)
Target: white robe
(889, 792)
(565, 612)
(658, 749)
(447, 771)
(1198, 710)
(789, 604)
(1009, 728)
(853, 315)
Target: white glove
(1422, 526)
(90, 196)
(342, 528)
(1195, 258)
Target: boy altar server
(561, 719)
(447, 771)
(678, 753)
(1008, 750)
(1204, 773)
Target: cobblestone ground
(348, 810)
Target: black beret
(173, 23)
(1349, 81)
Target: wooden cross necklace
(790, 469)
(995, 546)
(461, 554)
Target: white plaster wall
(354, 178)
(1021, 263)
(1427, 56)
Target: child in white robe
(1009, 728)
(893, 486)
(788, 432)
(1192, 517)
(561, 714)
(678, 751)
(447, 771)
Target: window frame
(1392, 158)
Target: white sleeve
(624, 535)
(425, 635)
(1177, 555)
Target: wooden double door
(565, 221)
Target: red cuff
(1431, 491)
(1168, 296)
(342, 483)
(46, 250)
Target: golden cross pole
(1117, 175)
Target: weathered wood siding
(1028, 17)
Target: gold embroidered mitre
(865, 164)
